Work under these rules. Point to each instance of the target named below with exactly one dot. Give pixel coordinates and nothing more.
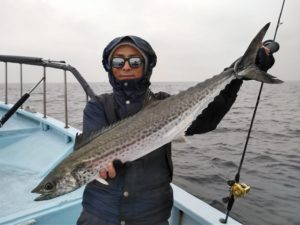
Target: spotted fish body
(147, 130)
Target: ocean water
(205, 162)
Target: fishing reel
(236, 190)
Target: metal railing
(61, 65)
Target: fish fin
(79, 141)
(80, 170)
(180, 139)
(250, 55)
(82, 139)
(245, 66)
(254, 73)
(102, 181)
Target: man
(139, 192)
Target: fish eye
(49, 186)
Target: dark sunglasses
(134, 62)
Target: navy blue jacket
(141, 192)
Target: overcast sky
(193, 39)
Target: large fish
(148, 129)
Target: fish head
(55, 185)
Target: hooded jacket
(130, 91)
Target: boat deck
(27, 136)
(30, 146)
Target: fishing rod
(237, 189)
(15, 107)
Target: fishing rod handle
(13, 109)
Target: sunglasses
(134, 62)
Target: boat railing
(34, 61)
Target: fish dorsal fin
(101, 180)
(82, 139)
(250, 55)
(79, 141)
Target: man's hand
(267, 50)
(109, 172)
(264, 59)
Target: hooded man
(139, 192)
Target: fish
(147, 130)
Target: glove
(118, 165)
(263, 60)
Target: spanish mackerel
(148, 129)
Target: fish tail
(245, 67)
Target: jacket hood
(143, 46)
(130, 94)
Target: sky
(193, 39)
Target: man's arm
(94, 118)
(216, 110)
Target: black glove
(264, 61)
(118, 165)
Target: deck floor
(27, 152)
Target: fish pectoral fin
(102, 181)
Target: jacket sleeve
(94, 118)
(216, 110)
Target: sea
(204, 163)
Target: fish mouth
(43, 197)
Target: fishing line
(240, 189)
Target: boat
(33, 143)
